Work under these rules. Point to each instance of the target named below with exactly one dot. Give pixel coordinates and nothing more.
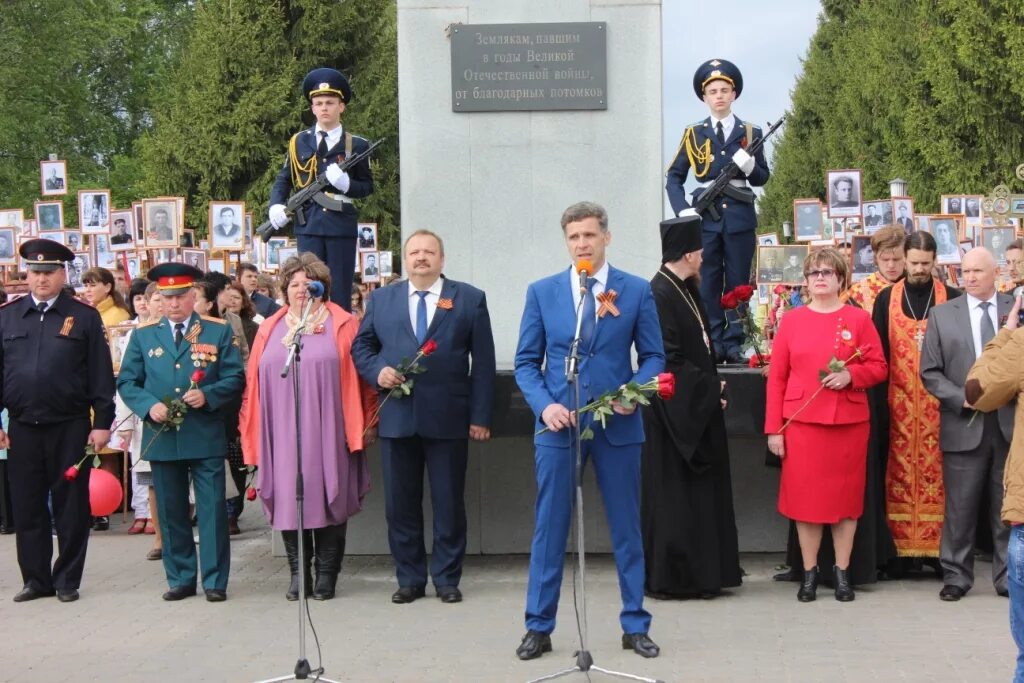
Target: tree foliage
(927, 90)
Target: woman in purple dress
(336, 408)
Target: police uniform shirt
(56, 365)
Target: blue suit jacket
(451, 394)
(547, 330)
(736, 216)
(320, 221)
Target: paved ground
(120, 628)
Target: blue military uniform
(154, 368)
(730, 241)
(326, 232)
(56, 368)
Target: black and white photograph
(215, 265)
(195, 258)
(770, 262)
(50, 215)
(862, 257)
(226, 221)
(59, 236)
(997, 239)
(8, 255)
(367, 237)
(946, 231)
(273, 252)
(807, 219)
(287, 253)
(101, 253)
(133, 260)
(877, 214)
(29, 228)
(248, 232)
(140, 234)
(950, 203)
(122, 230)
(972, 207)
(923, 222)
(385, 264)
(160, 222)
(768, 239)
(81, 263)
(53, 178)
(73, 240)
(370, 270)
(12, 218)
(903, 213)
(793, 264)
(764, 294)
(844, 192)
(188, 239)
(94, 211)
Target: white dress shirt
(976, 313)
(574, 282)
(49, 302)
(432, 298)
(727, 125)
(333, 136)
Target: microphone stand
(293, 365)
(584, 660)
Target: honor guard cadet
(708, 146)
(56, 370)
(160, 365)
(327, 224)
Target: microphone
(584, 268)
(315, 289)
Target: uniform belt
(735, 182)
(337, 196)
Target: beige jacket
(995, 380)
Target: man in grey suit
(974, 448)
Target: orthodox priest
(689, 526)
(914, 498)
(887, 246)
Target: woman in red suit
(818, 422)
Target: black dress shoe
(792, 574)
(214, 595)
(951, 593)
(808, 586)
(841, 581)
(67, 594)
(407, 594)
(101, 523)
(641, 644)
(534, 644)
(6, 529)
(449, 593)
(29, 593)
(179, 593)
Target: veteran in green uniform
(157, 368)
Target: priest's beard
(919, 279)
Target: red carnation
(250, 493)
(743, 293)
(729, 301)
(666, 385)
(198, 376)
(428, 347)
(780, 289)
(71, 473)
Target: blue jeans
(1015, 583)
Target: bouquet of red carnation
(405, 368)
(731, 301)
(628, 395)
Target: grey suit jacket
(947, 356)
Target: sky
(766, 40)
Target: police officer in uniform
(159, 362)
(708, 146)
(330, 229)
(56, 369)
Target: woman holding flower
(335, 472)
(825, 355)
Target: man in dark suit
(248, 276)
(706, 148)
(608, 336)
(974, 447)
(449, 404)
(56, 381)
(329, 230)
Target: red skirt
(824, 472)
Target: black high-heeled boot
(809, 586)
(844, 591)
(330, 550)
(291, 549)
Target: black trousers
(6, 512)
(36, 462)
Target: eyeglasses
(825, 273)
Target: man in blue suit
(329, 230)
(706, 148)
(450, 403)
(607, 336)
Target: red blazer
(805, 344)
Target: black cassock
(689, 526)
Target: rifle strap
(750, 133)
(348, 144)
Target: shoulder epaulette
(148, 323)
(210, 319)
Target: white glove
(337, 177)
(688, 211)
(278, 216)
(744, 161)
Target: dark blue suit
(728, 243)
(331, 235)
(547, 329)
(430, 427)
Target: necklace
(919, 333)
(693, 307)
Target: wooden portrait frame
(835, 210)
(809, 207)
(84, 197)
(46, 165)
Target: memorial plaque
(529, 67)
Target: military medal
(159, 352)
(151, 353)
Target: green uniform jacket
(152, 369)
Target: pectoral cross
(919, 338)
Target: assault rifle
(313, 192)
(708, 199)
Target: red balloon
(104, 492)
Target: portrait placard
(53, 178)
(952, 204)
(370, 271)
(103, 256)
(386, 264)
(215, 265)
(117, 336)
(81, 263)
(767, 239)
(73, 240)
(12, 218)
(996, 239)
(367, 236)
(877, 214)
(226, 221)
(844, 192)
(122, 230)
(50, 215)
(94, 211)
(862, 257)
(160, 218)
(807, 219)
(903, 213)
(948, 231)
(8, 254)
(195, 258)
(273, 252)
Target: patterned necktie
(589, 316)
(720, 132)
(987, 329)
(421, 317)
(321, 149)
(179, 333)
